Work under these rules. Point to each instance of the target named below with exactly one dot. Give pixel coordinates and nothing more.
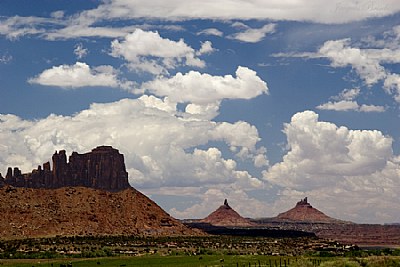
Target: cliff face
(102, 168)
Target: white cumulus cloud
(211, 31)
(79, 75)
(342, 105)
(345, 102)
(392, 85)
(16, 27)
(321, 149)
(348, 94)
(370, 59)
(199, 88)
(206, 48)
(371, 108)
(365, 62)
(5, 58)
(251, 35)
(148, 51)
(80, 51)
(368, 63)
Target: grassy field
(209, 260)
(178, 261)
(227, 251)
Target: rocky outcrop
(226, 216)
(102, 168)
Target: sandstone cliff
(102, 168)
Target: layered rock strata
(102, 168)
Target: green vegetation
(104, 246)
(209, 260)
(123, 251)
(180, 260)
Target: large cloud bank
(336, 11)
(160, 141)
(90, 23)
(160, 147)
(348, 172)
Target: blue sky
(261, 103)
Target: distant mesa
(304, 212)
(303, 217)
(226, 216)
(102, 168)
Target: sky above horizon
(262, 103)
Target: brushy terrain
(125, 251)
(209, 260)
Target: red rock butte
(226, 216)
(102, 168)
(89, 195)
(304, 212)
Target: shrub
(340, 263)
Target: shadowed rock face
(102, 168)
(2, 182)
